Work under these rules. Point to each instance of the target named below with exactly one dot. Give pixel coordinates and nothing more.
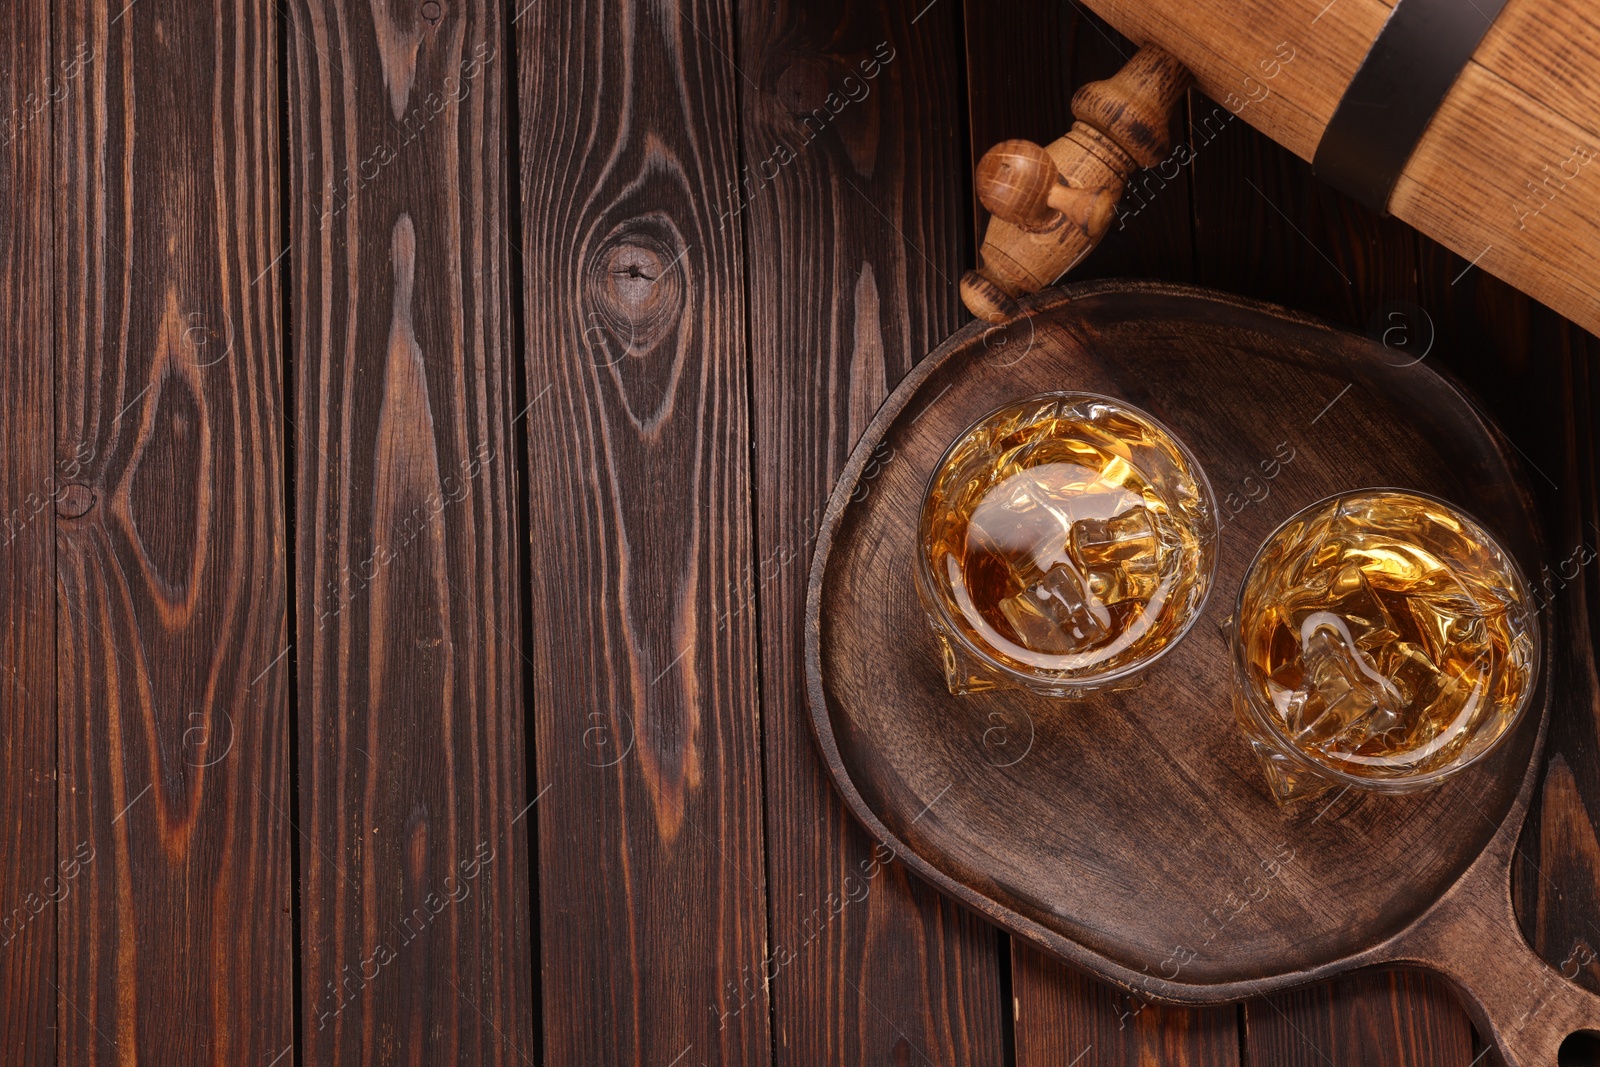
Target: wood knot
(74, 501)
(635, 289)
(803, 87)
(432, 10)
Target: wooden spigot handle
(1052, 205)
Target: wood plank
(1062, 1014)
(1025, 61)
(30, 883)
(1266, 227)
(175, 945)
(1377, 1019)
(855, 211)
(416, 924)
(651, 882)
(1558, 885)
(1565, 878)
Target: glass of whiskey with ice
(1066, 541)
(1383, 639)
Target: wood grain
(1568, 857)
(30, 884)
(1496, 176)
(1062, 1013)
(865, 225)
(651, 882)
(1025, 61)
(1378, 1019)
(416, 926)
(175, 944)
(1560, 885)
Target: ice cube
(1346, 700)
(1021, 518)
(1058, 614)
(1414, 674)
(1420, 685)
(1348, 595)
(1445, 623)
(1033, 628)
(1119, 583)
(1121, 555)
(1286, 690)
(1126, 538)
(1354, 601)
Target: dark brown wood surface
(171, 577)
(644, 701)
(30, 884)
(867, 225)
(1547, 404)
(208, 201)
(415, 925)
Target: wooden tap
(1051, 205)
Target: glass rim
(1287, 748)
(1042, 676)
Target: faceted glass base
(965, 674)
(1290, 780)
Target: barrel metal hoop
(1415, 59)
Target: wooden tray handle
(1520, 1002)
(1052, 205)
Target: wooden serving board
(1132, 834)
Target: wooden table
(417, 421)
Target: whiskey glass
(1067, 541)
(1383, 639)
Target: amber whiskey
(1066, 539)
(1385, 636)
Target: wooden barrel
(1506, 172)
